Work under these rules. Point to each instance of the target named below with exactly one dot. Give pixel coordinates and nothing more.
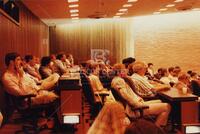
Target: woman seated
(110, 120)
(156, 107)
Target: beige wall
(169, 40)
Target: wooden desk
(70, 95)
(184, 107)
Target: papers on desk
(70, 76)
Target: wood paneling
(79, 38)
(31, 36)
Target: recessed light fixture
(116, 17)
(163, 9)
(132, 0)
(170, 5)
(70, 1)
(75, 18)
(156, 13)
(117, 14)
(73, 5)
(178, 1)
(74, 11)
(123, 10)
(127, 5)
(196, 9)
(74, 15)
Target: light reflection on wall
(169, 39)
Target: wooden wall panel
(79, 38)
(31, 36)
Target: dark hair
(45, 60)
(163, 71)
(170, 69)
(59, 56)
(28, 58)
(149, 64)
(10, 57)
(128, 61)
(160, 69)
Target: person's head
(53, 57)
(139, 68)
(45, 61)
(128, 61)
(164, 72)
(176, 72)
(194, 75)
(93, 68)
(30, 60)
(170, 70)
(61, 56)
(160, 70)
(13, 60)
(150, 65)
(119, 70)
(185, 78)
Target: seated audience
(158, 74)
(31, 66)
(164, 77)
(95, 81)
(150, 69)
(172, 75)
(183, 84)
(144, 87)
(69, 60)
(46, 68)
(59, 63)
(18, 83)
(156, 107)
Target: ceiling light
(119, 14)
(156, 13)
(132, 0)
(178, 1)
(163, 9)
(74, 15)
(195, 9)
(74, 11)
(69, 1)
(116, 16)
(73, 5)
(123, 10)
(127, 5)
(75, 18)
(170, 5)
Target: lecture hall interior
(99, 66)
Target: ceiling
(55, 11)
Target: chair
(131, 83)
(195, 87)
(89, 95)
(29, 113)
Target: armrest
(140, 109)
(26, 96)
(102, 95)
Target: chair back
(118, 97)
(195, 87)
(131, 83)
(87, 89)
